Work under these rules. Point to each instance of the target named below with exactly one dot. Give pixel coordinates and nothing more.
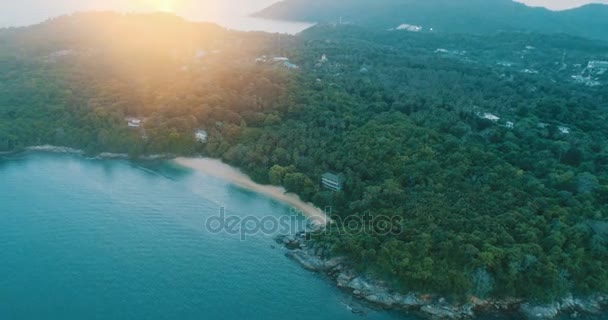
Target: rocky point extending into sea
(318, 257)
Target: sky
(26, 12)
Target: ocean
(112, 239)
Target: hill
(454, 16)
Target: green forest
(494, 155)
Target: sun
(165, 5)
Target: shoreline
(374, 293)
(338, 270)
(220, 170)
(215, 168)
(103, 155)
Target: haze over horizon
(27, 12)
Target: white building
(332, 181)
(564, 130)
(409, 27)
(490, 117)
(134, 122)
(201, 136)
(595, 64)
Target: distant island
(454, 16)
(491, 146)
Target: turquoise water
(108, 239)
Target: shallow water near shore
(108, 239)
(112, 239)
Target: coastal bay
(133, 235)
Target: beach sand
(218, 169)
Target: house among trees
(332, 181)
(133, 122)
(409, 27)
(564, 130)
(597, 64)
(201, 136)
(490, 117)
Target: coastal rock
(549, 311)
(592, 305)
(440, 312)
(409, 301)
(334, 262)
(307, 261)
(290, 242)
(467, 311)
(361, 284)
(381, 299)
(344, 278)
(318, 251)
(315, 256)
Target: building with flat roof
(134, 122)
(332, 181)
(201, 136)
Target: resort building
(201, 136)
(332, 181)
(409, 27)
(133, 122)
(490, 117)
(597, 64)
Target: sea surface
(110, 239)
(84, 238)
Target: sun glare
(165, 5)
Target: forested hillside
(75, 81)
(488, 147)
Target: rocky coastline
(317, 257)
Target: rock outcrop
(317, 257)
(568, 305)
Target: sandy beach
(55, 149)
(220, 170)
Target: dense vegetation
(456, 16)
(512, 207)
